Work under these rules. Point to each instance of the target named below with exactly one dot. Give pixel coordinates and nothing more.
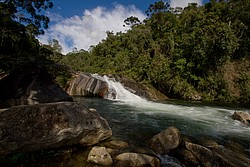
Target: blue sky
(81, 23)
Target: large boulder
(31, 84)
(244, 117)
(87, 85)
(42, 126)
(96, 86)
(165, 141)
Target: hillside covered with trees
(199, 52)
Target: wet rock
(165, 141)
(204, 154)
(230, 158)
(235, 147)
(100, 155)
(244, 117)
(50, 125)
(136, 160)
(209, 143)
(187, 158)
(87, 85)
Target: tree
(158, 7)
(132, 21)
(28, 13)
(20, 21)
(55, 45)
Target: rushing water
(136, 119)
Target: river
(137, 120)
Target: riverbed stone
(50, 125)
(136, 160)
(165, 141)
(204, 154)
(242, 116)
(100, 155)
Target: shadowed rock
(230, 158)
(42, 126)
(31, 84)
(204, 154)
(165, 141)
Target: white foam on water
(122, 94)
(218, 119)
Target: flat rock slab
(50, 125)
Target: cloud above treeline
(183, 3)
(90, 28)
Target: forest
(195, 53)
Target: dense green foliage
(191, 53)
(184, 53)
(20, 21)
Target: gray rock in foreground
(52, 125)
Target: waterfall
(117, 91)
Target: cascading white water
(117, 90)
(133, 117)
(211, 121)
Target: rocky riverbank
(169, 148)
(68, 129)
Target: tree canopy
(185, 53)
(20, 21)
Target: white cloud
(90, 28)
(183, 3)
